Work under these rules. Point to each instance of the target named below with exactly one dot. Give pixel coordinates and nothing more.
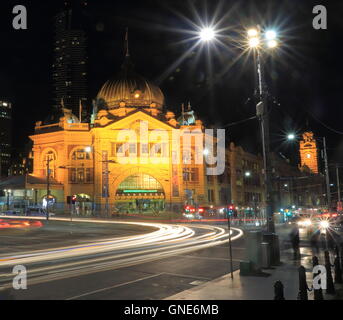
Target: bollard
(303, 288)
(338, 270)
(318, 293)
(278, 291)
(330, 289)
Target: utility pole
(0, 165)
(47, 187)
(262, 114)
(105, 172)
(230, 244)
(339, 205)
(327, 178)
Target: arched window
(140, 183)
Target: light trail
(71, 261)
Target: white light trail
(167, 240)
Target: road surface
(152, 264)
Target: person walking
(295, 241)
(315, 240)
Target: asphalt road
(62, 233)
(140, 276)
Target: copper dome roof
(130, 89)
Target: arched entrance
(140, 193)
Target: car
(192, 216)
(208, 212)
(294, 220)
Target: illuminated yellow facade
(148, 174)
(309, 152)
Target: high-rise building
(70, 57)
(5, 136)
(309, 152)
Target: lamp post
(48, 160)
(327, 178)
(0, 164)
(89, 149)
(339, 204)
(71, 208)
(255, 42)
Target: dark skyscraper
(5, 136)
(70, 57)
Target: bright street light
(270, 35)
(272, 44)
(206, 152)
(207, 34)
(252, 33)
(255, 39)
(248, 174)
(88, 149)
(324, 224)
(291, 136)
(254, 42)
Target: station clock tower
(309, 152)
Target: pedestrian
(315, 240)
(295, 241)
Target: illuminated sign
(140, 191)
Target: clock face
(308, 156)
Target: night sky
(304, 76)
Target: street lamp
(207, 34)
(255, 42)
(291, 136)
(48, 160)
(89, 149)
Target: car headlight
(307, 222)
(324, 224)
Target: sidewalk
(257, 288)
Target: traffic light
(73, 199)
(230, 210)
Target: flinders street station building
(134, 156)
(98, 167)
